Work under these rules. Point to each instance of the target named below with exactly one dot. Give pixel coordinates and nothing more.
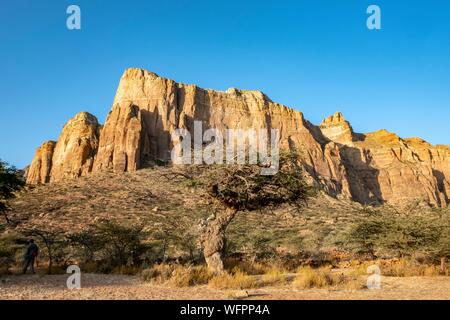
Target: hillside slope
(171, 203)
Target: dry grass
(399, 268)
(352, 283)
(313, 278)
(247, 267)
(159, 274)
(408, 268)
(274, 276)
(177, 275)
(187, 276)
(235, 281)
(127, 270)
(325, 278)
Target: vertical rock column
(39, 170)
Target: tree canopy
(10, 181)
(244, 188)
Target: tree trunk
(443, 265)
(214, 240)
(50, 256)
(164, 249)
(50, 264)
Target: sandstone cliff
(369, 168)
(147, 109)
(39, 170)
(73, 154)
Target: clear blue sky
(316, 56)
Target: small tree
(397, 234)
(89, 241)
(243, 188)
(411, 233)
(53, 241)
(122, 243)
(10, 181)
(364, 236)
(442, 248)
(10, 244)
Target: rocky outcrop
(369, 168)
(76, 147)
(72, 156)
(383, 167)
(39, 170)
(337, 129)
(148, 108)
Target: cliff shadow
(155, 141)
(363, 178)
(441, 181)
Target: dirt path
(96, 286)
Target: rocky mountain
(369, 168)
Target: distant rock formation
(368, 168)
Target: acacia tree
(10, 181)
(242, 188)
(52, 239)
(89, 241)
(442, 248)
(364, 236)
(122, 243)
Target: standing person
(30, 256)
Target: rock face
(73, 154)
(148, 108)
(76, 147)
(369, 168)
(382, 167)
(39, 170)
(337, 129)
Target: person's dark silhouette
(30, 256)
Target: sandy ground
(95, 286)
